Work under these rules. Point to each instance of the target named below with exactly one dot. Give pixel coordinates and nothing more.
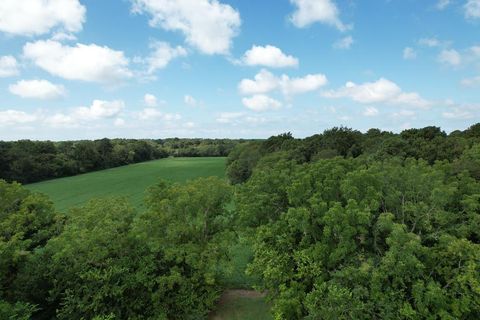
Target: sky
(88, 69)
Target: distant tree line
(28, 161)
(429, 143)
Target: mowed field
(129, 181)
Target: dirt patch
(229, 297)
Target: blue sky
(75, 69)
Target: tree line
(429, 143)
(28, 161)
(376, 229)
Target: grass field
(129, 181)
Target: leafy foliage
(353, 240)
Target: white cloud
(380, 91)
(344, 43)
(15, 117)
(229, 117)
(150, 100)
(36, 17)
(153, 114)
(208, 25)
(162, 54)
(37, 89)
(189, 100)
(311, 11)
(442, 4)
(472, 9)
(450, 57)
(99, 110)
(260, 102)
(429, 42)
(370, 112)
(471, 82)
(268, 56)
(8, 66)
(308, 83)
(458, 111)
(265, 82)
(409, 53)
(81, 62)
(150, 114)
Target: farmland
(129, 181)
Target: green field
(129, 181)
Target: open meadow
(129, 181)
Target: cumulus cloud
(189, 100)
(36, 17)
(450, 57)
(261, 102)
(208, 25)
(98, 110)
(265, 82)
(409, 53)
(16, 117)
(162, 54)
(380, 91)
(8, 66)
(268, 56)
(81, 62)
(37, 89)
(310, 11)
(150, 100)
(344, 43)
(472, 9)
(308, 83)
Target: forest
(29, 161)
(341, 225)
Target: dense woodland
(28, 161)
(342, 225)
